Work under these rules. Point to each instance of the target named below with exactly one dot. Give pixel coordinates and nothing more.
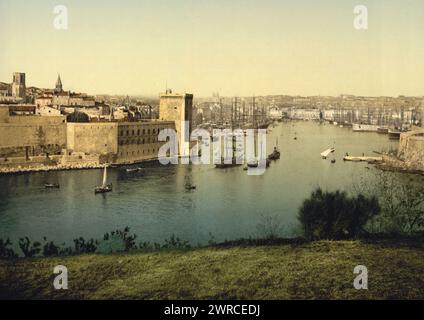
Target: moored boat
(104, 187)
(356, 127)
(253, 164)
(394, 134)
(129, 170)
(275, 155)
(51, 186)
(234, 163)
(383, 130)
(327, 152)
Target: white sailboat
(105, 187)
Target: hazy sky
(236, 47)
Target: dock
(363, 158)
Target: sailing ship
(275, 155)
(253, 163)
(232, 149)
(104, 187)
(235, 161)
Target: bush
(118, 241)
(335, 215)
(82, 246)
(5, 250)
(28, 248)
(401, 198)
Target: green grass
(318, 270)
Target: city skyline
(260, 48)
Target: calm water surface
(228, 203)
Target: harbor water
(227, 203)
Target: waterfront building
(305, 114)
(117, 142)
(24, 134)
(275, 113)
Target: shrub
(5, 250)
(119, 240)
(402, 203)
(28, 248)
(176, 243)
(335, 215)
(82, 246)
(50, 249)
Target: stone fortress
(31, 141)
(411, 149)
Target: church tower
(18, 85)
(59, 87)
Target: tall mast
(254, 112)
(244, 111)
(220, 111)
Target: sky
(235, 47)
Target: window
(144, 131)
(138, 132)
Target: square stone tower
(178, 108)
(18, 85)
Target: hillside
(321, 270)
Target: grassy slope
(308, 271)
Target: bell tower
(18, 85)
(59, 87)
